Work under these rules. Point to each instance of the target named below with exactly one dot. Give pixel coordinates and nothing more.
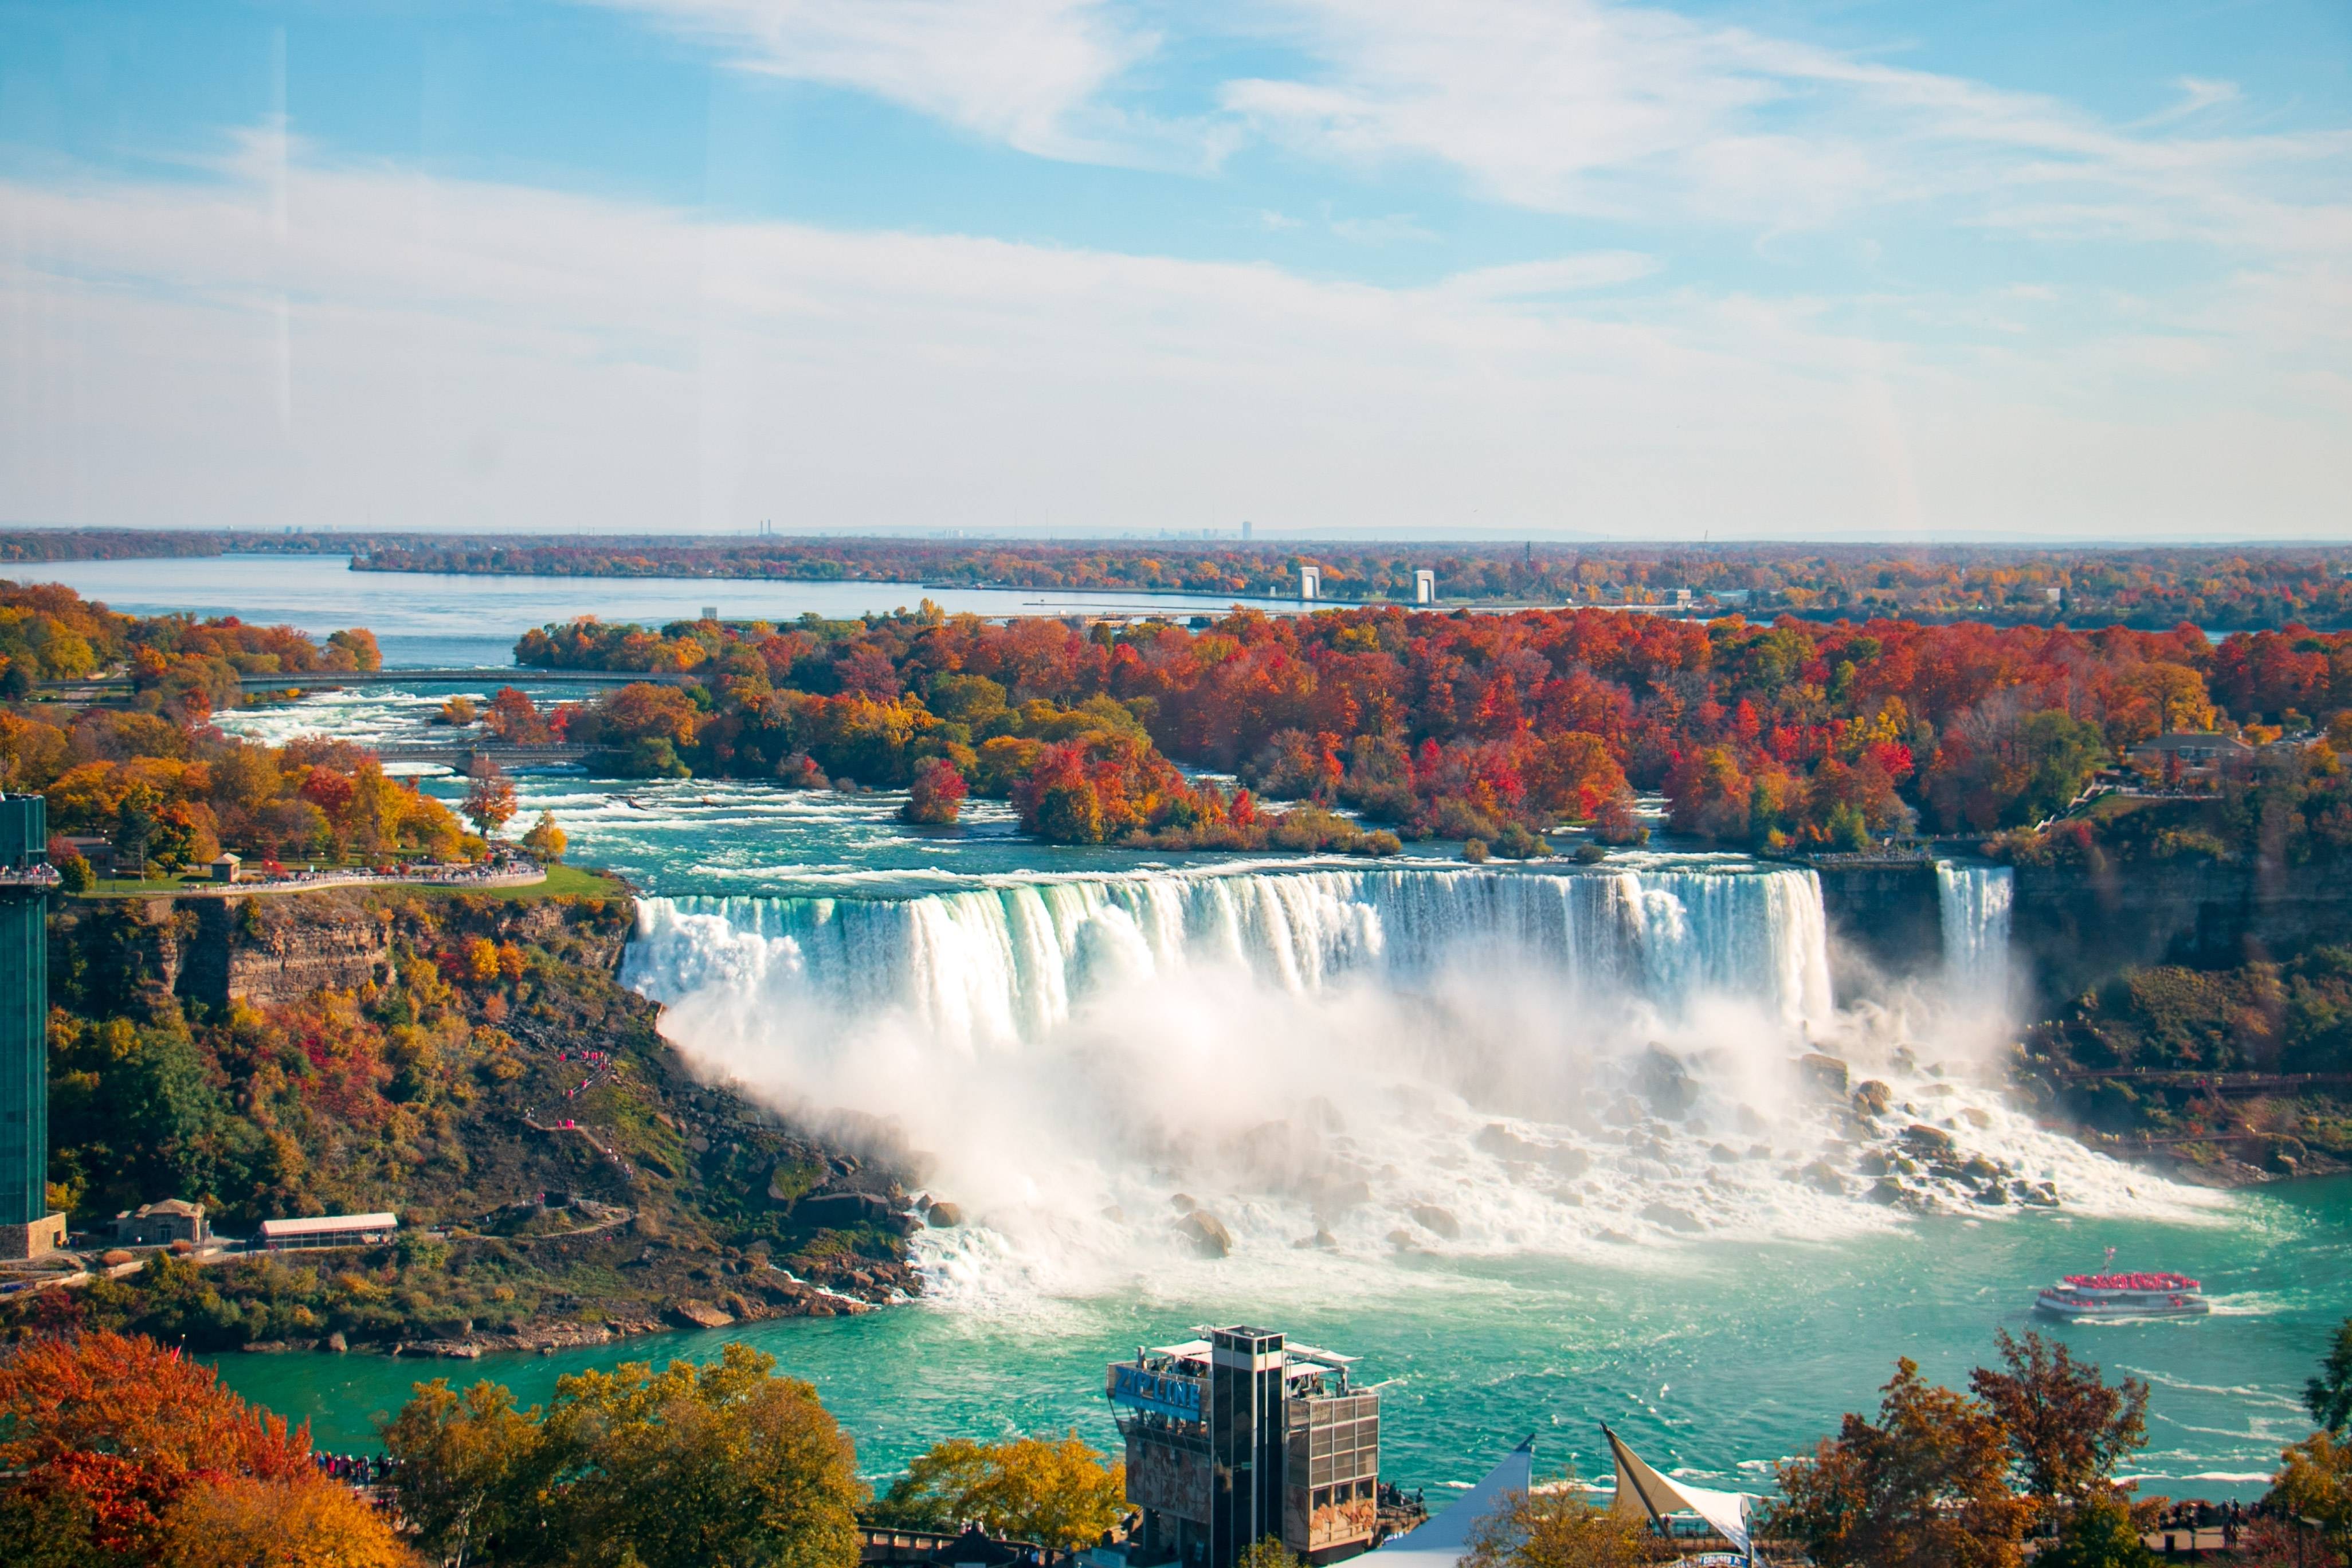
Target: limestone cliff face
(2073, 929)
(279, 947)
(2076, 928)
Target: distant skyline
(1980, 272)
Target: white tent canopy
(1642, 1493)
(1444, 1541)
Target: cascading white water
(1975, 907)
(1500, 1060)
(998, 964)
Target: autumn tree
(123, 1450)
(2316, 1482)
(545, 841)
(725, 1462)
(513, 717)
(489, 797)
(1926, 1487)
(2066, 1427)
(937, 794)
(470, 1468)
(2101, 1533)
(1058, 1493)
(1555, 1529)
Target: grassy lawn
(563, 882)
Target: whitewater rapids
(1368, 1063)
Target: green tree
(1927, 1487)
(1555, 1530)
(2098, 1534)
(1268, 1553)
(2328, 1396)
(1060, 1494)
(2067, 1428)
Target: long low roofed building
(329, 1230)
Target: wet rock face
(1825, 1074)
(1207, 1234)
(943, 1216)
(1929, 1142)
(1439, 1221)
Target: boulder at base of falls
(1665, 1082)
(1322, 1240)
(1885, 1190)
(943, 1216)
(1824, 1073)
(1822, 1178)
(1929, 1142)
(1872, 1097)
(1438, 1220)
(839, 1211)
(1668, 1217)
(1207, 1234)
(701, 1315)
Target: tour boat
(2131, 1295)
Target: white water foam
(1360, 1062)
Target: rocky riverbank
(469, 1064)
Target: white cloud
(1395, 229)
(399, 350)
(1028, 72)
(1638, 113)
(1565, 274)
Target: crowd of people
(355, 1470)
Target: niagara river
(1544, 1145)
(1541, 1144)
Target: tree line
(1785, 736)
(119, 1453)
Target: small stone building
(228, 868)
(162, 1223)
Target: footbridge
(461, 755)
(319, 679)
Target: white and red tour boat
(2128, 1295)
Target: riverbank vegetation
(2211, 1062)
(470, 1065)
(118, 1452)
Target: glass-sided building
(1240, 1435)
(26, 879)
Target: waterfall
(1975, 905)
(1365, 1059)
(993, 966)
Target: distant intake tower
(28, 1228)
(1240, 1436)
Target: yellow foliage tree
(1061, 1493)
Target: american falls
(1375, 1062)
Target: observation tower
(28, 1228)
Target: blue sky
(1522, 266)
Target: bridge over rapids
(321, 679)
(460, 754)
